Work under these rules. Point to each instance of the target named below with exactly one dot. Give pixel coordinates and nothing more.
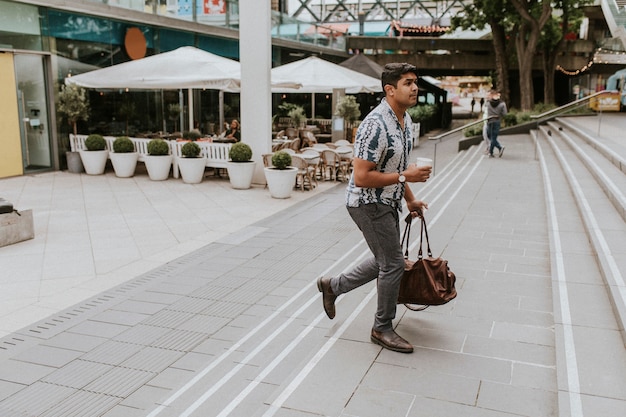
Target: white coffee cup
(424, 162)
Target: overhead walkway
(237, 328)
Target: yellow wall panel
(10, 143)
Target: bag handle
(425, 232)
(405, 236)
(407, 233)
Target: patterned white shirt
(381, 139)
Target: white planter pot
(192, 169)
(280, 181)
(74, 163)
(124, 164)
(94, 161)
(240, 174)
(158, 166)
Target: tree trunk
(526, 41)
(525, 54)
(549, 64)
(502, 67)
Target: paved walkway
(226, 320)
(95, 232)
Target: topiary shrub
(191, 135)
(240, 152)
(281, 160)
(190, 150)
(123, 144)
(95, 142)
(158, 147)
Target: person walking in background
(374, 201)
(485, 135)
(472, 103)
(496, 110)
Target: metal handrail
(458, 129)
(559, 109)
(572, 104)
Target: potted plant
(95, 154)
(348, 109)
(240, 166)
(281, 176)
(191, 163)
(73, 103)
(297, 116)
(124, 157)
(191, 135)
(421, 115)
(159, 160)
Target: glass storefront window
(20, 26)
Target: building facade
(44, 41)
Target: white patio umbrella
(185, 67)
(316, 75)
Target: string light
(601, 56)
(576, 72)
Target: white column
(255, 54)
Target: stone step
(588, 307)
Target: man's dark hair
(393, 72)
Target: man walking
(496, 110)
(374, 201)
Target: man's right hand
(417, 174)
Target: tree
(531, 17)
(495, 14)
(554, 38)
(535, 30)
(73, 103)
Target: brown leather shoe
(328, 297)
(390, 340)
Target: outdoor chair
(334, 166)
(305, 176)
(291, 132)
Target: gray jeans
(379, 225)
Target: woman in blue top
(374, 200)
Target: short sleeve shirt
(380, 139)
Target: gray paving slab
(237, 328)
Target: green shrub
(475, 130)
(190, 150)
(281, 160)
(240, 152)
(297, 116)
(95, 142)
(422, 112)
(191, 135)
(123, 144)
(348, 108)
(158, 147)
(510, 119)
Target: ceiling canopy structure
(326, 11)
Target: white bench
(216, 154)
(77, 143)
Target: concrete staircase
(585, 185)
